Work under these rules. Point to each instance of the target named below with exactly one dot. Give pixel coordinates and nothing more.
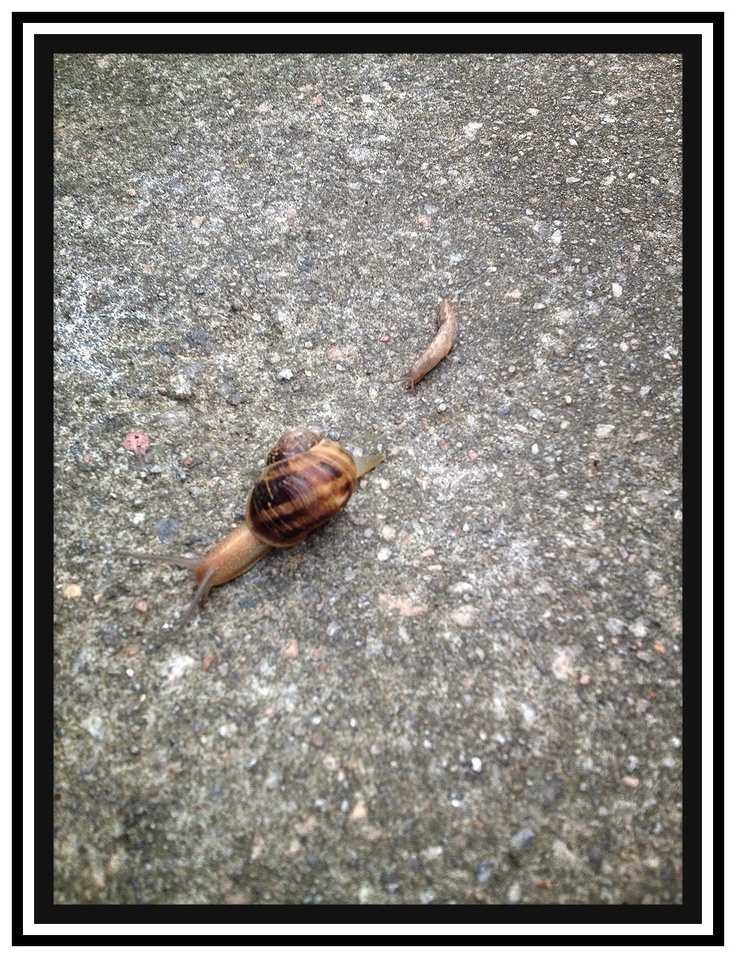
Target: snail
(307, 480)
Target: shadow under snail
(306, 481)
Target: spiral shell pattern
(307, 480)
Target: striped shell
(307, 480)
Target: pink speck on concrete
(137, 442)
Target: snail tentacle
(198, 598)
(364, 464)
(184, 562)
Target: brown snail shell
(307, 480)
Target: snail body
(307, 480)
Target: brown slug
(306, 481)
(438, 348)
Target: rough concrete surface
(465, 688)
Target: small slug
(438, 348)
(306, 481)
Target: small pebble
(197, 336)
(561, 852)
(551, 791)
(95, 727)
(561, 664)
(527, 713)
(465, 616)
(523, 839)
(292, 650)
(72, 591)
(284, 374)
(207, 660)
(180, 387)
(359, 812)
(484, 872)
(166, 529)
